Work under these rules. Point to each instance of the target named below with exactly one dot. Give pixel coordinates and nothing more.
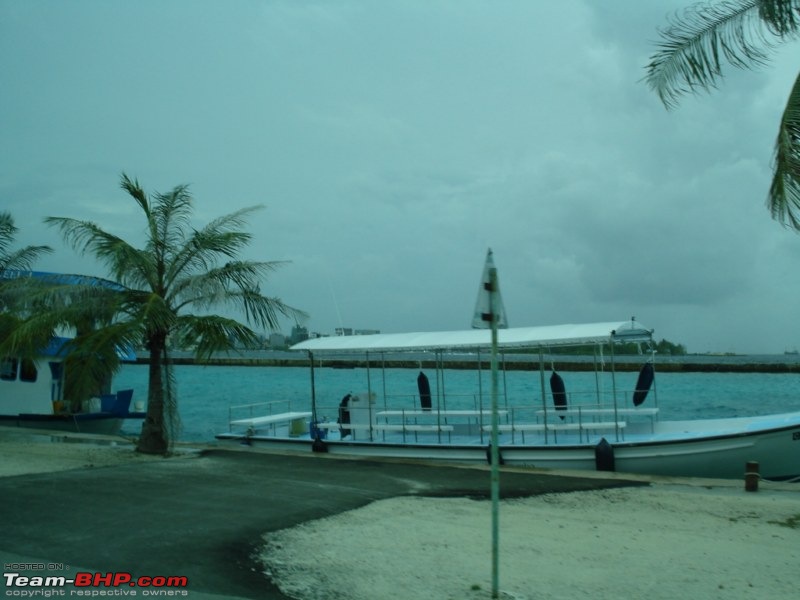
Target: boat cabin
(33, 386)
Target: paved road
(204, 517)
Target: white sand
(33, 451)
(659, 542)
(20, 456)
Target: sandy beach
(658, 542)
(670, 539)
(24, 453)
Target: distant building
(367, 331)
(277, 340)
(298, 335)
(343, 331)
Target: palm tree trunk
(154, 437)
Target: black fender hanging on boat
(500, 460)
(604, 456)
(424, 387)
(559, 391)
(643, 384)
(344, 414)
(319, 446)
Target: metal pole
(495, 450)
(369, 397)
(479, 407)
(313, 390)
(544, 393)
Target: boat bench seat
(271, 419)
(428, 427)
(388, 427)
(414, 428)
(586, 426)
(500, 427)
(384, 426)
(517, 427)
(335, 425)
(410, 427)
(514, 427)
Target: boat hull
(725, 456)
(98, 423)
(669, 451)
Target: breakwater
(516, 362)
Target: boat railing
(522, 414)
(328, 413)
(258, 409)
(399, 401)
(602, 398)
(454, 401)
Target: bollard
(751, 476)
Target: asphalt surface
(204, 517)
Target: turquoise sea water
(206, 392)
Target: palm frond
(221, 237)
(781, 16)
(92, 354)
(22, 339)
(262, 310)
(24, 258)
(165, 217)
(8, 231)
(171, 215)
(21, 259)
(136, 192)
(45, 308)
(693, 47)
(213, 333)
(215, 285)
(784, 194)
(93, 357)
(154, 313)
(127, 264)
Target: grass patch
(791, 522)
(753, 516)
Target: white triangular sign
(481, 317)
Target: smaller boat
(32, 395)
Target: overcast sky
(392, 143)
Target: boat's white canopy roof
(473, 339)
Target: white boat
(606, 428)
(32, 396)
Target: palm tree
(179, 269)
(742, 33)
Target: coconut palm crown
(168, 286)
(742, 34)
